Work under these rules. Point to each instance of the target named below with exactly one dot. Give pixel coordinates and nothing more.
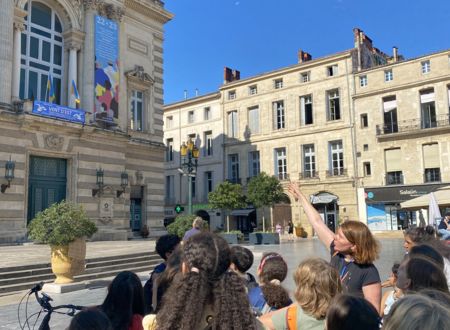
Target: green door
(47, 183)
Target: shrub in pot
(64, 226)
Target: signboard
(398, 194)
(106, 70)
(57, 111)
(376, 217)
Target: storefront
(383, 209)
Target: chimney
(185, 94)
(395, 53)
(303, 56)
(196, 92)
(230, 75)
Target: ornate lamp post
(189, 161)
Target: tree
(264, 190)
(227, 196)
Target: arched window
(42, 53)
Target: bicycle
(46, 307)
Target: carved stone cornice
(138, 75)
(92, 4)
(105, 9)
(19, 18)
(153, 9)
(73, 39)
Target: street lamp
(189, 161)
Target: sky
(257, 36)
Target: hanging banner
(57, 111)
(106, 70)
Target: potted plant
(64, 226)
(233, 236)
(262, 237)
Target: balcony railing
(336, 172)
(282, 176)
(393, 178)
(413, 125)
(308, 175)
(234, 180)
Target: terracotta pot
(68, 260)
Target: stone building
(101, 147)
(200, 120)
(402, 137)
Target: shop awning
(241, 212)
(442, 196)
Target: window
(42, 54)
(207, 113)
(233, 168)
(365, 147)
(427, 109)
(231, 95)
(253, 163)
(278, 111)
(364, 120)
(306, 110)
(253, 120)
(305, 77)
(191, 116)
(390, 115)
(426, 66)
(170, 198)
(169, 150)
(363, 81)
(208, 151)
(388, 75)
(336, 158)
(332, 70)
(367, 169)
(431, 162)
(334, 110)
(169, 122)
(393, 159)
(208, 184)
(281, 164)
(232, 124)
(278, 83)
(309, 161)
(194, 186)
(253, 90)
(137, 105)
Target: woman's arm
(323, 232)
(372, 293)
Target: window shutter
(302, 110)
(427, 96)
(389, 105)
(393, 159)
(431, 155)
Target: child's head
(166, 244)
(317, 283)
(241, 259)
(272, 268)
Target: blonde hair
(317, 283)
(197, 223)
(367, 247)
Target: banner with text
(57, 111)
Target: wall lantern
(9, 174)
(99, 190)
(123, 183)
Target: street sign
(179, 208)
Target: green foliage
(239, 233)
(227, 196)
(264, 190)
(61, 224)
(181, 224)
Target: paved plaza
(294, 252)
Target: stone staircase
(19, 278)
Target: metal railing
(308, 175)
(339, 171)
(234, 180)
(282, 176)
(412, 125)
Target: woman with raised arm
(353, 250)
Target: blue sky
(256, 36)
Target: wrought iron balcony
(282, 176)
(234, 180)
(413, 125)
(308, 175)
(339, 171)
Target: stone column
(89, 57)
(73, 69)
(15, 88)
(6, 52)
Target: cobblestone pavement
(294, 253)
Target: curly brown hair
(317, 283)
(207, 282)
(367, 247)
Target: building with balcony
(402, 137)
(101, 147)
(200, 120)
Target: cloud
(237, 3)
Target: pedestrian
(153, 293)
(444, 227)
(124, 303)
(208, 294)
(353, 250)
(270, 295)
(241, 262)
(278, 228)
(197, 226)
(417, 312)
(90, 319)
(391, 296)
(290, 231)
(347, 312)
(316, 285)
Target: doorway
(46, 184)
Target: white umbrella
(433, 210)
(442, 196)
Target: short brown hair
(367, 247)
(317, 283)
